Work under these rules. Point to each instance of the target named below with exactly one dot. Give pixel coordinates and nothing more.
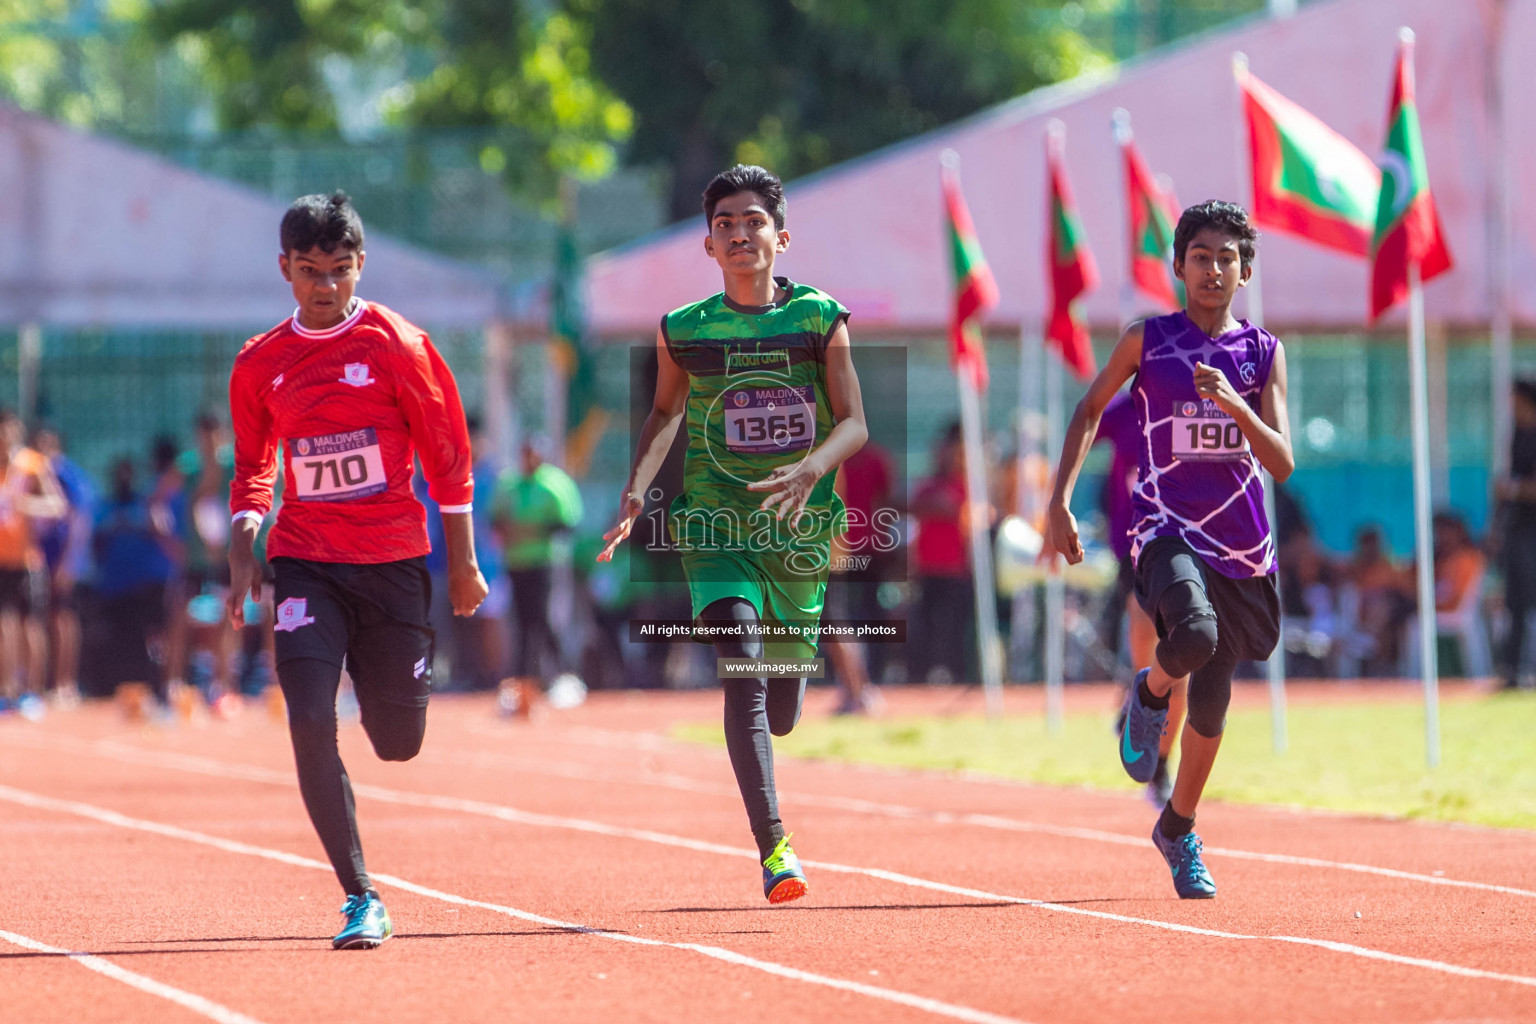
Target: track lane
(869, 941)
(445, 974)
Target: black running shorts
(1247, 610)
(24, 591)
(372, 617)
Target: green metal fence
(1349, 414)
(112, 392)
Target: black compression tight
(756, 709)
(396, 731)
(1193, 646)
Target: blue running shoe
(1190, 878)
(1141, 734)
(783, 878)
(367, 925)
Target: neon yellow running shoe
(783, 878)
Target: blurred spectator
(534, 513)
(615, 595)
(477, 645)
(200, 626)
(1459, 565)
(1515, 532)
(66, 546)
(861, 559)
(1375, 600)
(1307, 595)
(943, 648)
(29, 501)
(1459, 568)
(168, 507)
(134, 545)
(1036, 470)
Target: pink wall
(870, 232)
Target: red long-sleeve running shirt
(349, 405)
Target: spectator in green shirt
(533, 514)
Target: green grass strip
(1365, 757)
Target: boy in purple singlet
(1210, 401)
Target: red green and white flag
(1308, 180)
(1407, 226)
(975, 287)
(1152, 217)
(1073, 272)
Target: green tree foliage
(496, 64)
(496, 67)
(801, 84)
(263, 61)
(78, 62)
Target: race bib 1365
(779, 419)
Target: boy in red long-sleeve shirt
(351, 390)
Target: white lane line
(660, 743)
(683, 783)
(210, 766)
(584, 773)
(108, 817)
(191, 1000)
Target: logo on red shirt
(357, 375)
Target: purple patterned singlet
(1198, 477)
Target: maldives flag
(1407, 226)
(1152, 217)
(1073, 272)
(1308, 180)
(975, 288)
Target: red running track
(588, 868)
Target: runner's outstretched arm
(656, 438)
(1061, 527)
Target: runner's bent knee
(1190, 625)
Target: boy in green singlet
(763, 374)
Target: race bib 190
(1202, 432)
(778, 419)
(338, 467)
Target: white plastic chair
(1466, 624)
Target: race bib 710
(777, 419)
(1202, 432)
(338, 467)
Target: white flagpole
(1027, 501)
(1424, 548)
(1279, 737)
(1055, 597)
(1120, 125)
(981, 552)
(976, 498)
(1275, 667)
(1498, 214)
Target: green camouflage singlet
(757, 400)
